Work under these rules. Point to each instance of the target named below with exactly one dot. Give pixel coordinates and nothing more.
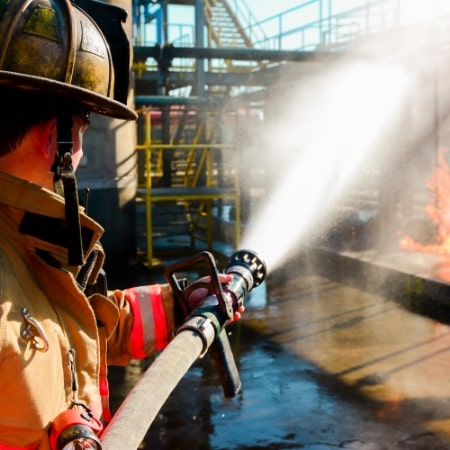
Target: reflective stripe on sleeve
(149, 330)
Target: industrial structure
(209, 76)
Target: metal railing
(198, 159)
(311, 24)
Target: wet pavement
(328, 360)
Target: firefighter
(59, 325)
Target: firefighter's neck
(32, 159)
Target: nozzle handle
(182, 292)
(221, 349)
(226, 365)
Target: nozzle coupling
(248, 271)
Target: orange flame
(438, 209)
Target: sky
(411, 10)
(263, 9)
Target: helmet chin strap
(65, 184)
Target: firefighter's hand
(197, 296)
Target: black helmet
(68, 49)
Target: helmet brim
(99, 103)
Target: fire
(438, 209)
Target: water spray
(326, 144)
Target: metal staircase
(224, 28)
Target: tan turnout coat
(37, 385)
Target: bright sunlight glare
(343, 120)
(415, 11)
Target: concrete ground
(334, 352)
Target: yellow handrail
(204, 194)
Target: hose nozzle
(248, 271)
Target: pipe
(249, 54)
(130, 423)
(169, 100)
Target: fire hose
(203, 328)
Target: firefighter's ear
(47, 138)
